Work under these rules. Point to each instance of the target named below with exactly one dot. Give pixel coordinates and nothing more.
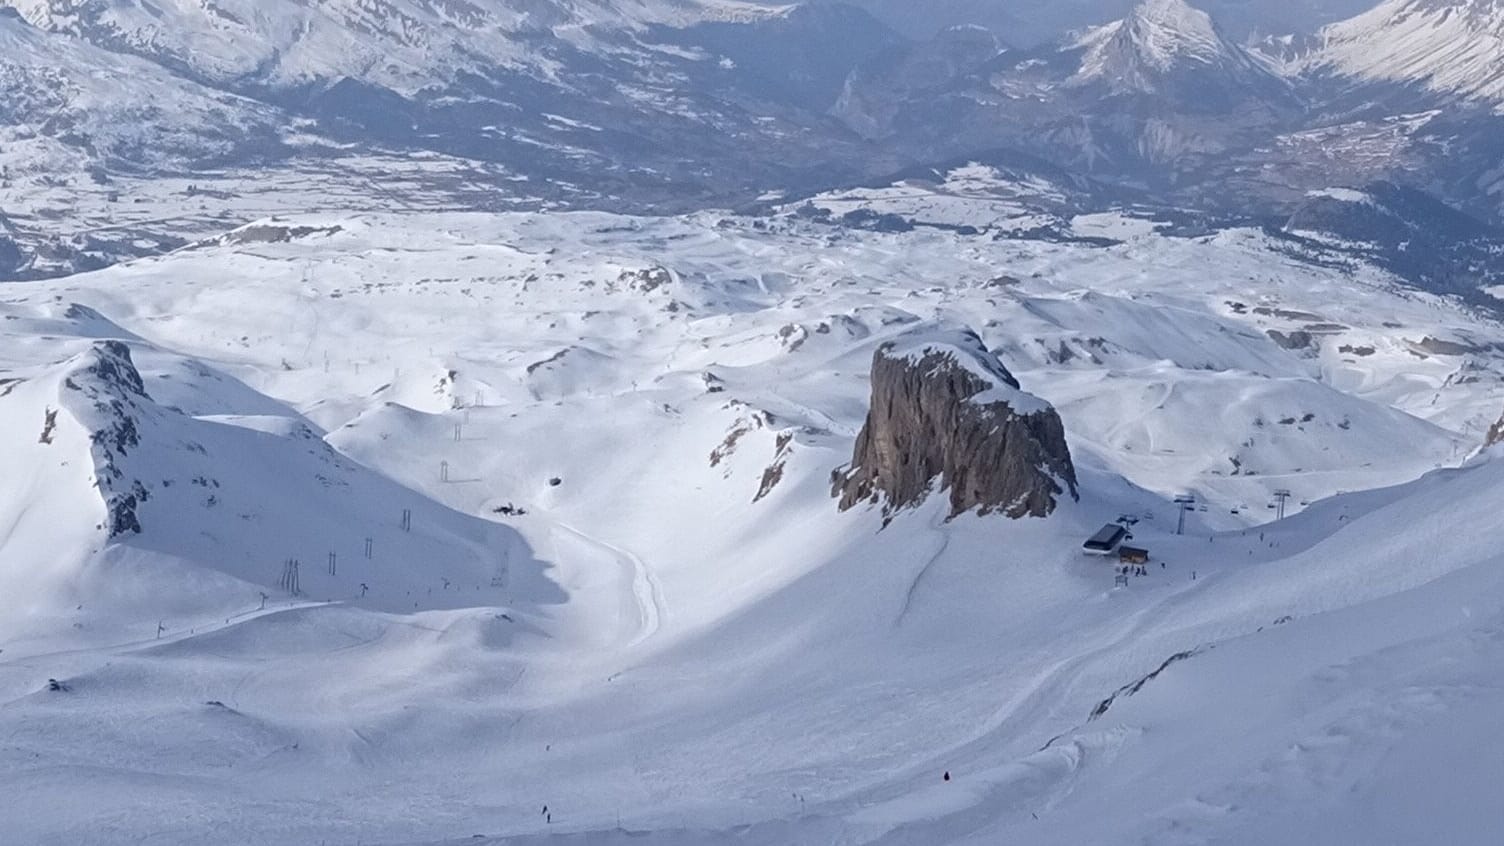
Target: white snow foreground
(623, 591)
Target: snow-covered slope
(628, 594)
(78, 121)
(403, 45)
(192, 502)
(68, 102)
(1448, 46)
(640, 103)
(997, 193)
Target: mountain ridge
(1445, 46)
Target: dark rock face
(1495, 434)
(107, 378)
(943, 407)
(110, 370)
(122, 511)
(111, 392)
(11, 257)
(1296, 340)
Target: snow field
(673, 637)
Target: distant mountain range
(1165, 99)
(656, 100)
(659, 105)
(1027, 23)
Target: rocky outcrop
(1296, 340)
(12, 259)
(646, 280)
(111, 390)
(105, 392)
(947, 415)
(271, 231)
(1495, 434)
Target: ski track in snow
(908, 597)
(645, 594)
(1033, 704)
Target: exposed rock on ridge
(944, 408)
(111, 390)
(1495, 434)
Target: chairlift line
(1185, 502)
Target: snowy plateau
(361, 491)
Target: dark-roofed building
(1105, 540)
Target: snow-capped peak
(1169, 30)
(1156, 38)
(1452, 46)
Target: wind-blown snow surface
(679, 634)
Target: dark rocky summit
(944, 408)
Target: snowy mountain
(662, 106)
(683, 422)
(404, 46)
(593, 454)
(121, 477)
(1030, 23)
(68, 102)
(646, 103)
(1164, 100)
(1453, 47)
(1145, 100)
(1163, 43)
(76, 115)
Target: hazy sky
(1028, 21)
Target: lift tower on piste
(1184, 503)
(1280, 497)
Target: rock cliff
(947, 415)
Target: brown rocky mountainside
(945, 409)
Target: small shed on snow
(1133, 555)
(1105, 540)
